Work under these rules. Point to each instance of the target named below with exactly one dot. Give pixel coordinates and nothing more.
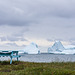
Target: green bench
(12, 54)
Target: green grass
(31, 68)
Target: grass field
(31, 68)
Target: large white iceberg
(56, 48)
(32, 49)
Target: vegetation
(31, 68)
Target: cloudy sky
(39, 21)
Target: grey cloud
(12, 44)
(72, 39)
(16, 38)
(14, 22)
(52, 40)
(49, 40)
(22, 39)
(23, 45)
(10, 15)
(59, 40)
(3, 38)
(19, 13)
(72, 43)
(18, 35)
(21, 33)
(12, 38)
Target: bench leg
(17, 58)
(11, 60)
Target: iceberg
(68, 51)
(69, 47)
(56, 48)
(32, 49)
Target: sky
(39, 21)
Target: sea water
(43, 58)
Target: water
(43, 58)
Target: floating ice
(31, 49)
(58, 48)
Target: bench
(12, 54)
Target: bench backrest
(8, 53)
(5, 53)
